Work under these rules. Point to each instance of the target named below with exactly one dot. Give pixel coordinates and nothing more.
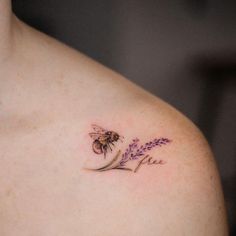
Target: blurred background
(183, 51)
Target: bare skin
(49, 97)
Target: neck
(6, 29)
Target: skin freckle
(8, 192)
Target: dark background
(183, 51)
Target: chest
(43, 190)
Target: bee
(103, 139)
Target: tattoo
(104, 140)
(134, 152)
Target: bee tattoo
(103, 139)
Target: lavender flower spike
(134, 151)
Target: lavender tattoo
(134, 152)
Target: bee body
(103, 139)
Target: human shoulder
(163, 157)
(157, 177)
(167, 166)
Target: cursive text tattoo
(104, 140)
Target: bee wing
(98, 129)
(94, 135)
